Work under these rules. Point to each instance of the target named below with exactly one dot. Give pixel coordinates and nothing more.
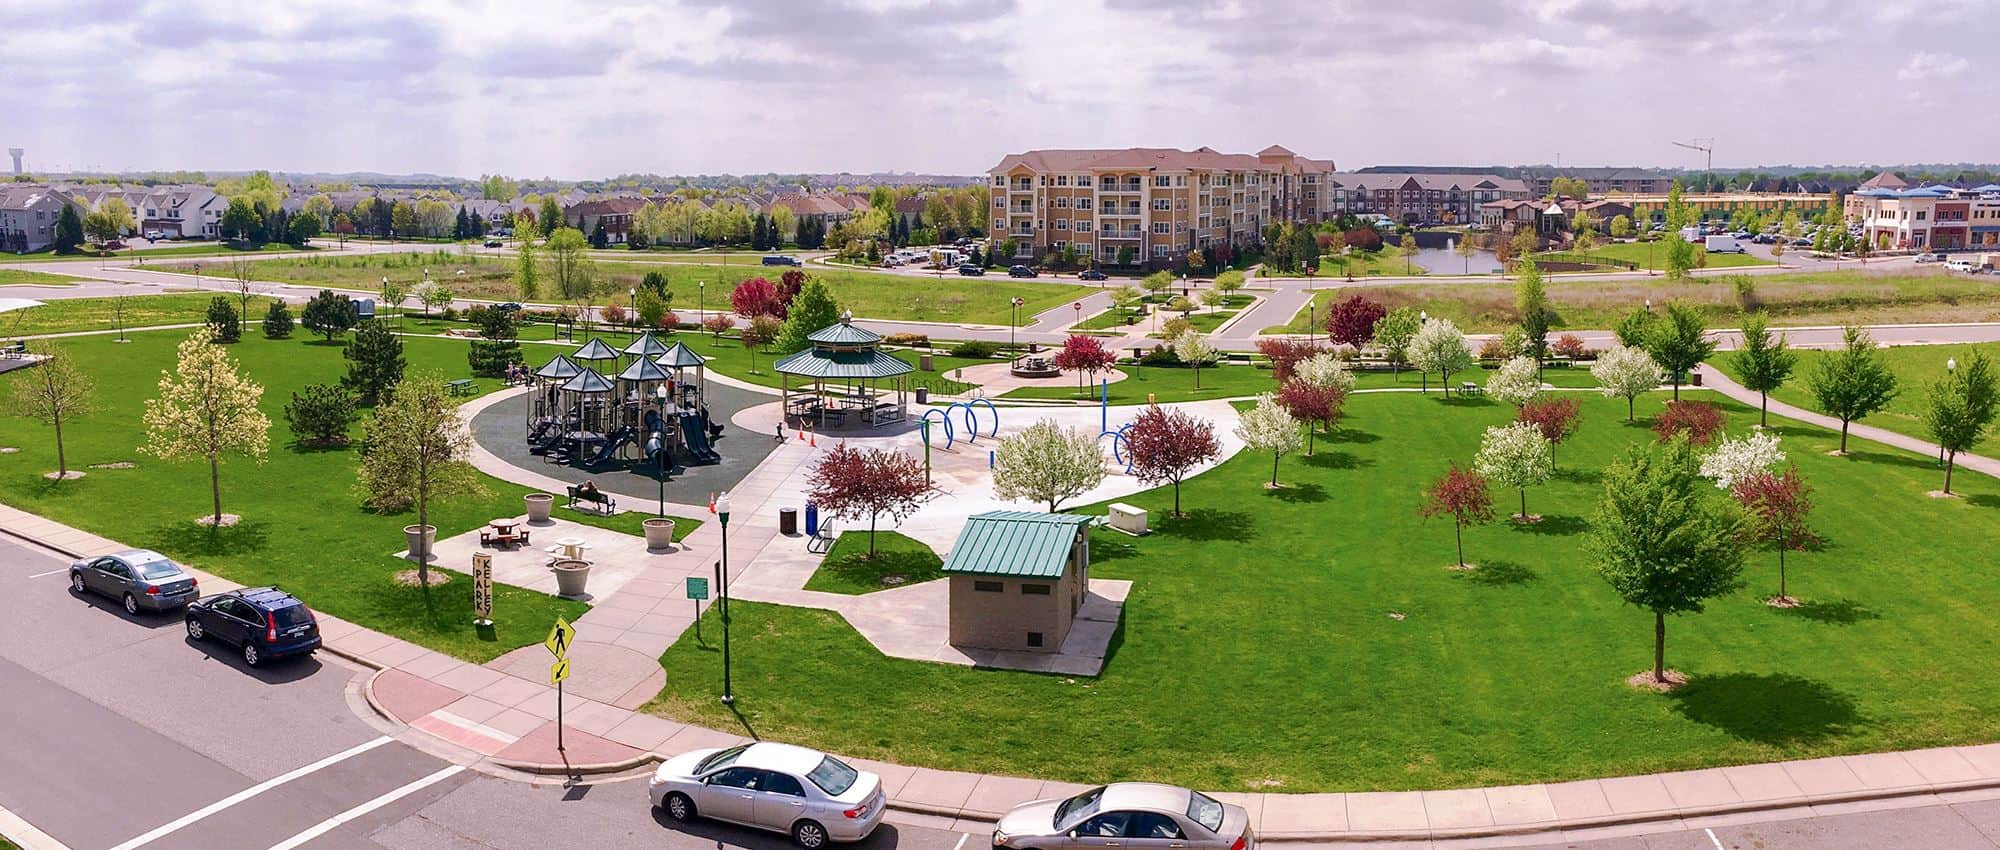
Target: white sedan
(807, 794)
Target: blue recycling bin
(812, 520)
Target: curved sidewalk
(1713, 378)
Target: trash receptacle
(812, 518)
(923, 395)
(788, 521)
(1694, 378)
(924, 363)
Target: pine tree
(278, 321)
(550, 217)
(374, 362)
(223, 322)
(69, 230)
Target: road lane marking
(961, 841)
(49, 573)
(332, 823)
(1713, 840)
(252, 791)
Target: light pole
(701, 301)
(1013, 322)
(1950, 368)
(722, 513)
(657, 443)
(632, 305)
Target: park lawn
(848, 569)
(1916, 368)
(303, 525)
(1656, 258)
(1314, 637)
(624, 522)
(69, 315)
(1805, 298)
(204, 249)
(1116, 317)
(1169, 384)
(17, 277)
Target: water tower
(16, 154)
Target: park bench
(821, 541)
(460, 386)
(14, 350)
(601, 499)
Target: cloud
(1925, 65)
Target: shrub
(1173, 329)
(1493, 349)
(613, 314)
(668, 321)
(320, 415)
(1699, 419)
(222, 320)
(1746, 292)
(973, 348)
(718, 323)
(1568, 346)
(278, 321)
(1160, 355)
(1364, 239)
(450, 314)
(923, 340)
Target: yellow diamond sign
(559, 639)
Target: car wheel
(76, 583)
(250, 655)
(809, 835)
(195, 631)
(131, 605)
(679, 807)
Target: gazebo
(646, 347)
(595, 351)
(844, 374)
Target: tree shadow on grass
(1499, 574)
(1206, 524)
(1298, 494)
(1554, 525)
(1767, 708)
(1909, 461)
(1350, 435)
(1580, 476)
(186, 536)
(1840, 612)
(1463, 401)
(1799, 431)
(1335, 460)
(1983, 500)
(1112, 546)
(910, 567)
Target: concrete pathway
(1714, 379)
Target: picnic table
(1469, 388)
(503, 532)
(570, 548)
(460, 386)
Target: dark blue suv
(265, 622)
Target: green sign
(697, 588)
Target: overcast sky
(577, 90)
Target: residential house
(613, 214)
(1420, 198)
(28, 216)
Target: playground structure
(651, 415)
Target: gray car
(1136, 815)
(140, 579)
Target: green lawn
(1916, 368)
(1169, 384)
(898, 561)
(1313, 638)
(65, 315)
(15, 277)
(303, 526)
(178, 252)
(1656, 257)
(627, 522)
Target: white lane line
(247, 793)
(961, 842)
(49, 573)
(1713, 840)
(332, 823)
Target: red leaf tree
(789, 285)
(1166, 445)
(853, 483)
(1352, 321)
(1778, 506)
(1084, 355)
(757, 297)
(1461, 494)
(1285, 353)
(1317, 406)
(718, 323)
(1699, 419)
(1556, 418)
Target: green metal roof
(595, 349)
(814, 363)
(646, 346)
(1018, 544)
(679, 356)
(844, 334)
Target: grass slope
(1656, 258)
(1169, 384)
(1916, 368)
(67, 315)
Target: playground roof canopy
(588, 381)
(821, 364)
(595, 349)
(10, 304)
(679, 355)
(645, 346)
(559, 368)
(643, 370)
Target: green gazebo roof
(1017, 544)
(822, 364)
(844, 333)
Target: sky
(576, 90)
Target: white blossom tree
(1269, 427)
(1440, 347)
(1325, 369)
(1047, 463)
(1627, 373)
(1516, 456)
(1734, 460)
(1194, 349)
(1516, 382)
(206, 410)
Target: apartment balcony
(1120, 234)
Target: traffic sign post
(559, 639)
(697, 590)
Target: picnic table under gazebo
(844, 375)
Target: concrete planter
(659, 533)
(420, 538)
(538, 507)
(570, 577)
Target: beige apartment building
(1158, 202)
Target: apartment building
(1419, 198)
(1928, 218)
(1602, 181)
(28, 216)
(1159, 202)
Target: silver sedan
(140, 579)
(1137, 815)
(810, 795)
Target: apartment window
(1920, 215)
(1162, 204)
(1062, 203)
(1160, 227)
(1104, 226)
(1085, 180)
(1062, 224)
(1083, 203)
(1160, 251)
(1062, 180)
(1083, 225)
(1162, 181)
(999, 201)
(989, 587)
(1204, 223)
(999, 180)
(1180, 203)
(1180, 180)
(1180, 227)
(1034, 590)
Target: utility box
(1128, 519)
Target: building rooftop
(1018, 544)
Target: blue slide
(694, 431)
(616, 441)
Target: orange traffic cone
(813, 441)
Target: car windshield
(159, 569)
(1076, 808)
(833, 776)
(1204, 810)
(292, 615)
(721, 758)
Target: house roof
(679, 355)
(1465, 181)
(1885, 180)
(824, 364)
(1019, 544)
(1148, 159)
(595, 349)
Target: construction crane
(1706, 146)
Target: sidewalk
(1714, 379)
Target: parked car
(1018, 270)
(508, 307)
(1092, 274)
(1930, 258)
(971, 270)
(140, 579)
(782, 260)
(1802, 242)
(493, 243)
(155, 235)
(265, 623)
(1143, 814)
(1722, 244)
(807, 794)
(1963, 264)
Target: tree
(757, 334)
(224, 325)
(1764, 363)
(1853, 382)
(394, 293)
(1352, 320)
(1325, 369)
(1635, 328)
(1285, 353)
(1679, 344)
(496, 348)
(1213, 298)
(1460, 494)
(1086, 356)
(1158, 283)
(811, 310)
(119, 215)
(1531, 302)
(1229, 281)
(1517, 456)
(1556, 418)
(1621, 227)
(303, 228)
(1627, 373)
(1959, 409)
(206, 409)
(1125, 296)
(374, 363)
(550, 219)
(1515, 382)
(1440, 347)
(1193, 348)
(650, 307)
(51, 392)
(570, 265)
(1777, 508)
(1166, 445)
(1663, 541)
(320, 415)
(718, 323)
(1699, 422)
(1466, 248)
(1317, 405)
(1394, 332)
(240, 220)
(278, 321)
(1269, 427)
(328, 314)
(527, 279)
(69, 230)
(100, 228)
(433, 295)
(853, 483)
(756, 297)
(418, 449)
(1735, 460)
(1047, 463)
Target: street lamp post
(1950, 368)
(701, 302)
(722, 513)
(632, 306)
(1013, 322)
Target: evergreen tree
(811, 310)
(328, 314)
(460, 229)
(223, 321)
(598, 238)
(278, 321)
(550, 217)
(496, 349)
(69, 230)
(374, 363)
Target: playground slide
(695, 434)
(616, 441)
(543, 445)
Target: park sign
(482, 589)
(697, 588)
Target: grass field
(15, 277)
(1168, 384)
(1916, 368)
(303, 526)
(1656, 257)
(1805, 298)
(1314, 638)
(848, 569)
(176, 252)
(67, 315)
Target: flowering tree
(761, 331)
(1556, 418)
(1568, 347)
(1394, 332)
(718, 323)
(1516, 382)
(206, 409)
(1777, 507)
(1699, 419)
(1352, 321)
(1440, 347)
(1517, 456)
(1735, 460)
(1316, 405)
(1193, 348)
(1047, 463)
(1626, 373)
(1086, 356)
(53, 391)
(1459, 494)
(757, 297)
(1269, 427)
(418, 449)
(1285, 353)
(853, 483)
(1326, 370)
(1165, 445)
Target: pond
(1443, 261)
